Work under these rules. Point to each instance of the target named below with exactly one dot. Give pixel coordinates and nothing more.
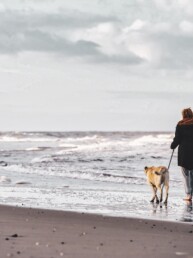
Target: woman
(184, 138)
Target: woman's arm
(176, 140)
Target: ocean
(92, 172)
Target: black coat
(184, 138)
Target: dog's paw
(157, 201)
(152, 200)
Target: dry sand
(43, 233)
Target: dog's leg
(167, 189)
(162, 190)
(154, 193)
(161, 193)
(156, 198)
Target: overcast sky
(95, 64)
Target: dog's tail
(162, 172)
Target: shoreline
(29, 232)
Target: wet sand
(26, 232)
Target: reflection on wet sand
(162, 211)
(159, 207)
(187, 215)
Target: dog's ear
(145, 170)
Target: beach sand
(26, 232)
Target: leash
(171, 159)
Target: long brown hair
(187, 113)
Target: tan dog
(157, 178)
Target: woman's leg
(191, 181)
(187, 182)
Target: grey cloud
(23, 31)
(177, 50)
(35, 40)
(33, 31)
(20, 31)
(20, 20)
